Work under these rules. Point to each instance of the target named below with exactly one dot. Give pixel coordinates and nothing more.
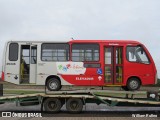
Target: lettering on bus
(70, 67)
(113, 44)
(11, 63)
(84, 78)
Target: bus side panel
(70, 73)
(46, 69)
(144, 72)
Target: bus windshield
(137, 54)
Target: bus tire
(133, 84)
(53, 84)
(74, 105)
(52, 105)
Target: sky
(54, 20)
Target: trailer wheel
(74, 105)
(52, 105)
(133, 84)
(53, 84)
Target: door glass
(25, 55)
(108, 65)
(33, 65)
(119, 65)
(118, 74)
(118, 55)
(25, 63)
(107, 55)
(108, 77)
(33, 55)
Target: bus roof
(107, 41)
(81, 41)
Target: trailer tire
(74, 105)
(52, 105)
(133, 84)
(53, 84)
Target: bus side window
(137, 54)
(55, 52)
(13, 51)
(85, 52)
(131, 54)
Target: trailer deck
(75, 100)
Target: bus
(124, 63)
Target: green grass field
(18, 92)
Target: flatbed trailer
(76, 100)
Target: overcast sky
(82, 19)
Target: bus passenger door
(113, 65)
(33, 64)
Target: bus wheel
(74, 105)
(52, 105)
(133, 84)
(53, 84)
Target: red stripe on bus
(2, 76)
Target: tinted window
(108, 55)
(90, 65)
(13, 52)
(137, 54)
(33, 54)
(55, 52)
(26, 54)
(85, 52)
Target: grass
(118, 94)
(20, 92)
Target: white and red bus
(78, 63)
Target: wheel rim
(53, 85)
(134, 84)
(74, 105)
(52, 105)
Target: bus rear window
(13, 52)
(137, 54)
